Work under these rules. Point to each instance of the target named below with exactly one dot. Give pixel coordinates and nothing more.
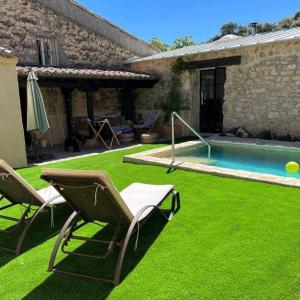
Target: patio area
(232, 239)
(57, 153)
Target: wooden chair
(98, 128)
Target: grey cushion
(138, 195)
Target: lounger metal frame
(71, 225)
(24, 221)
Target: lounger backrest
(14, 188)
(151, 119)
(91, 193)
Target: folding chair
(93, 197)
(98, 127)
(149, 123)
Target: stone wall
(22, 21)
(263, 91)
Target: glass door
(211, 99)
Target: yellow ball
(292, 167)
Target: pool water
(253, 158)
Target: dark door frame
(221, 100)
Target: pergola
(86, 80)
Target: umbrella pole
(50, 137)
(35, 145)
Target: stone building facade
(23, 21)
(76, 38)
(261, 93)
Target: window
(48, 51)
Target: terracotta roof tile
(53, 72)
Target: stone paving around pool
(160, 157)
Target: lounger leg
(122, 252)
(124, 245)
(69, 222)
(20, 222)
(175, 204)
(28, 225)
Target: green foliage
(179, 66)
(183, 42)
(229, 28)
(265, 27)
(173, 101)
(244, 30)
(285, 23)
(177, 44)
(158, 44)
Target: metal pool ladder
(175, 114)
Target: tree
(229, 28)
(158, 44)
(178, 43)
(265, 27)
(297, 15)
(242, 30)
(285, 23)
(184, 41)
(296, 19)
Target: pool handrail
(175, 114)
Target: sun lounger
(14, 190)
(93, 197)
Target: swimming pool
(246, 159)
(252, 158)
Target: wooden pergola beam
(215, 62)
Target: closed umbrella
(37, 120)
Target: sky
(202, 19)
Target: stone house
(251, 82)
(77, 55)
(86, 65)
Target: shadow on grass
(61, 286)
(38, 233)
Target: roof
(4, 52)
(52, 72)
(81, 15)
(228, 37)
(229, 43)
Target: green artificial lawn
(232, 239)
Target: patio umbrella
(37, 120)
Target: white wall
(12, 143)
